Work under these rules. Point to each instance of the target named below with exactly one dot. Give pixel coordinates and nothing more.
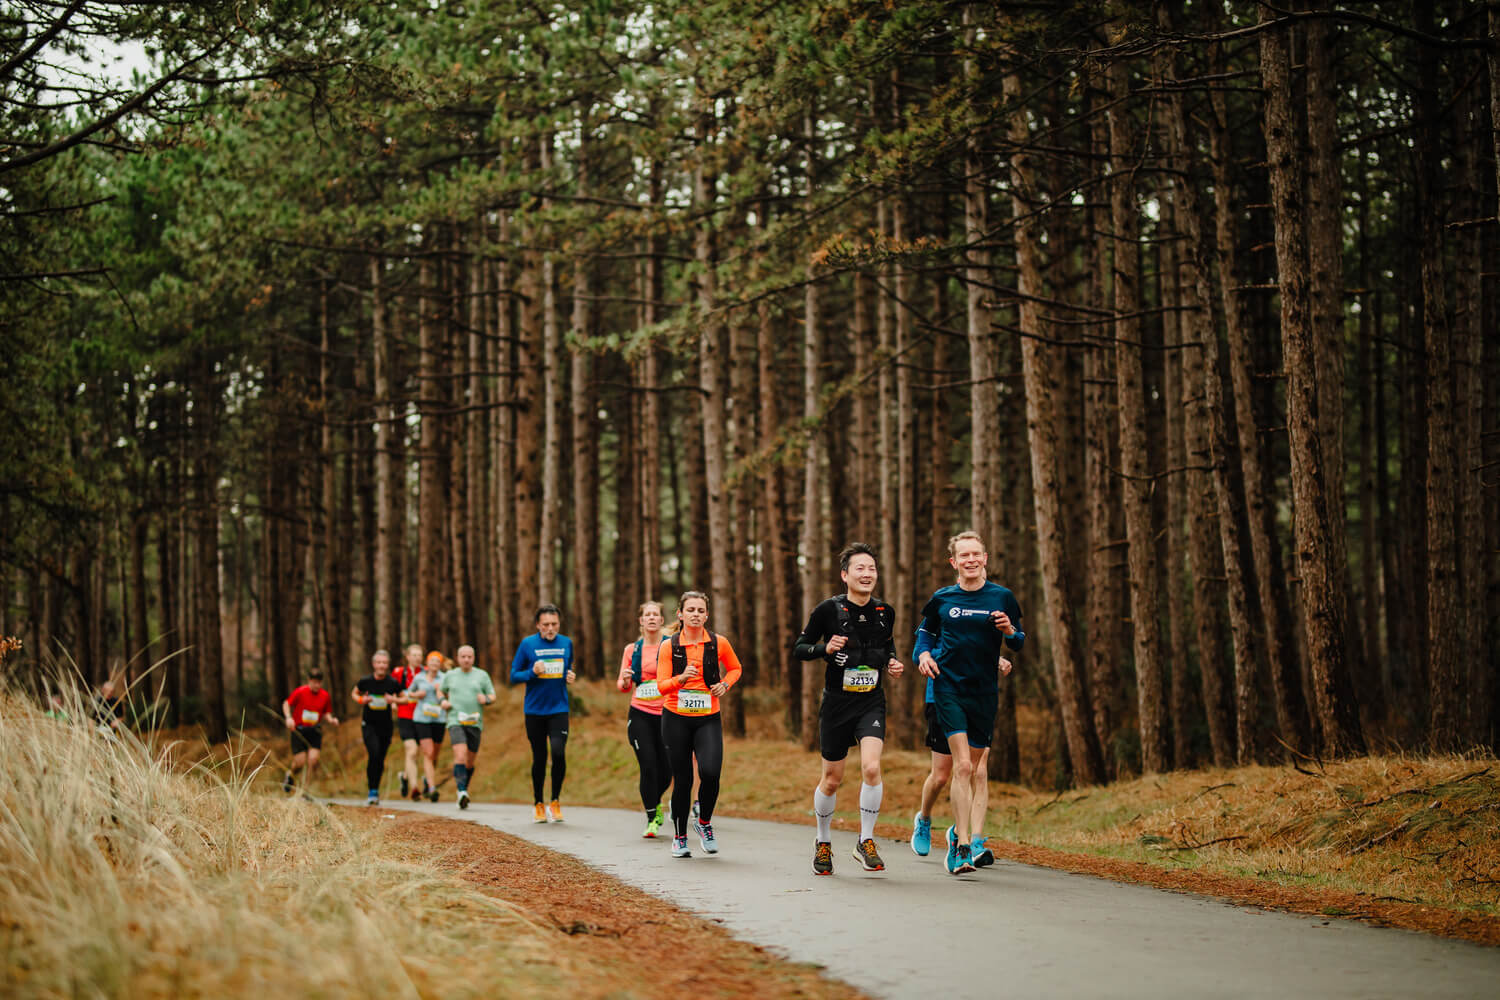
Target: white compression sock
(869, 809)
(823, 810)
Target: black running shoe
(823, 858)
(405, 786)
(286, 783)
(865, 854)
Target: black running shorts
(967, 712)
(408, 729)
(936, 741)
(430, 731)
(305, 738)
(845, 720)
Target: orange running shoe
(556, 810)
(540, 816)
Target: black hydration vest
(710, 659)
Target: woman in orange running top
(694, 669)
(643, 727)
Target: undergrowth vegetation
(1403, 828)
(122, 874)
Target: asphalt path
(1011, 930)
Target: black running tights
(377, 741)
(643, 730)
(543, 731)
(686, 737)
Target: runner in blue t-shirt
(963, 632)
(544, 663)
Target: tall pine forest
(335, 326)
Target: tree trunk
(530, 363)
(479, 592)
(1447, 675)
(1282, 654)
(1042, 431)
(432, 519)
(1180, 695)
(210, 637)
(813, 544)
(503, 473)
(550, 531)
(1322, 591)
(781, 613)
(585, 453)
(1134, 457)
(1104, 597)
(984, 432)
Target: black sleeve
(820, 625)
(363, 684)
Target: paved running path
(1008, 931)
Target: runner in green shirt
(465, 691)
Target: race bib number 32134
(860, 679)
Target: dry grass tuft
(120, 875)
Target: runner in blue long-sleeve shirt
(544, 663)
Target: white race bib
(431, 711)
(376, 703)
(309, 717)
(860, 679)
(647, 691)
(468, 718)
(694, 702)
(549, 669)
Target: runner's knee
(870, 772)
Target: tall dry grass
(121, 875)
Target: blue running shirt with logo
(957, 629)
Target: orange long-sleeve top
(673, 686)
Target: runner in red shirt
(303, 709)
(406, 726)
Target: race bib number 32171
(694, 702)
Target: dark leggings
(543, 731)
(686, 737)
(377, 737)
(643, 730)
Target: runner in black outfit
(378, 693)
(852, 634)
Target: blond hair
(963, 536)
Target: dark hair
(855, 549)
(547, 609)
(315, 674)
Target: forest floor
(1399, 840)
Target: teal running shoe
(921, 835)
(959, 860)
(983, 856)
